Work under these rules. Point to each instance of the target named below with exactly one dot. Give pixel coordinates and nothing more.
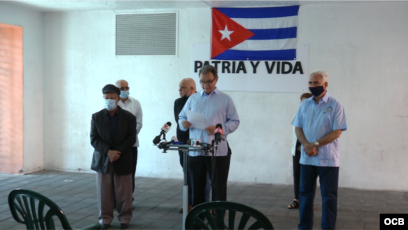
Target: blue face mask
(124, 94)
(110, 104)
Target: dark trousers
(190, 189)
(134, 163)
(329, 180)
(296, 174)
(199, 167)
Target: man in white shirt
(132, 105)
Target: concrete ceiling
(89, 5)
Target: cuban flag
(254, 33)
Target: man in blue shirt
(319, 123)
(218, 108)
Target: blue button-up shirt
(218, 108)
(318, 120)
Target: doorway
(11, 99)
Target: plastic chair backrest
(211, 211)
(35, 210)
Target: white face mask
(110, 104)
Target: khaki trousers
(111, 187)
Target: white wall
(361, 45)
(32, 23)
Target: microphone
(164, 144)
(166, 127)
(196, 143)
(173, 141)
(202, 144)
(191, 142)
(218, 132)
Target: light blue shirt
(318, 120)
(218, 108)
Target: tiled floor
(157, 201)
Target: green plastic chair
(210, 212)
(37, 211)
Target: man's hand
(312, 153)
(210, 130)
(113, 155)
(186, 124)
(310, 149)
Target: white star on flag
(225, 33)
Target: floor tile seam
(146, 225)
(6, 176)
(11, 217)
(67, 196)
(286, 216)
(156, 206)
(5, 203)
(84, 206)
(53, 187)
(55, 176)
(6, 210)
(237, 194)
(146, 210)
(13, 177)
(172, 196)
(7, 189)
(167, 227)
(74, 185)
(58, 203)
(67, 189)
(12, 183)
(77, 220)
(161, 192)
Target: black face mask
(185, 96)
(316, 91)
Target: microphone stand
(185, 149)
(213, 162)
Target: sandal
(294, 205)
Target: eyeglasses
(124, 88)
(208, 82)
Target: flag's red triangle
(221, 22)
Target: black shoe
(105, 226)
(124, 226)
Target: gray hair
(325, 76)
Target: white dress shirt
(294, 140)
(132, 105)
